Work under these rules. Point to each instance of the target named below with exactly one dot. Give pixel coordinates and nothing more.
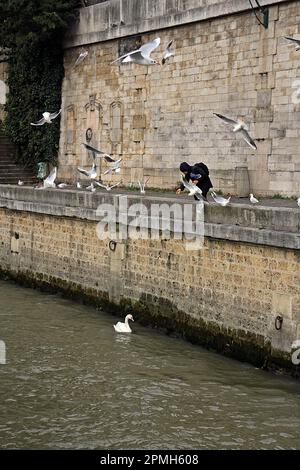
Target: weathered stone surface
(226, 295)
(273, 226)
(156, 117)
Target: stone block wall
(158, 116)
(226, 295)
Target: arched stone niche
(93, 120)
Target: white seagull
(91, 187)
(192, 188)
(140, 56)
(219, 199)
(92, 173)
(62, 185)
(124, 327)
(47, 118)
(20, 183)
(108, 187)
(298, 201)
(296, 42)
(49, 182)
(83, 54)
(253, 199)
(115, 165)
(142, 185)
(78, 185)
(168, 53)
(239, 126)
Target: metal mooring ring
(278, 322)
(112, 245)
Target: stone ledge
(271, 226)
(107, 21)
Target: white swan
(124, 327)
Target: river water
(71, 382)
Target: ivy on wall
(32, 33)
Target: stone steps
(11, 172)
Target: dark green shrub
(32, 32)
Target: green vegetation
(136, 189)
(32, 34)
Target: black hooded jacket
(198, 172)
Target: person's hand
(178, 191)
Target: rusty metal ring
(112, 245)
(278, 322)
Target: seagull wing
(168, 53)
(226, 119)
(149, 47)
(109, 159)
(39, 123)
(186, 184)
(168, 46)
(125, 55)
(214, 196)
(51, 177)
(219, 199)
(80, 58)
(114, 185)
(84, 172)
(54, 115)
(101, 185)
(295, 41)
(248, 139)
(92, 149)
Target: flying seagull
(253, 199)
(83, 54)
(239, 126)
(115, 165)
(108, 187)
(192, 188)
(47, 118)
(92, 173)
(94, 151)
(20, 183)
(296, 42)
(219, 199)
(168, 53)
(140, 56)
(142, 185)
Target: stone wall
(225, 296)
(156, 117)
